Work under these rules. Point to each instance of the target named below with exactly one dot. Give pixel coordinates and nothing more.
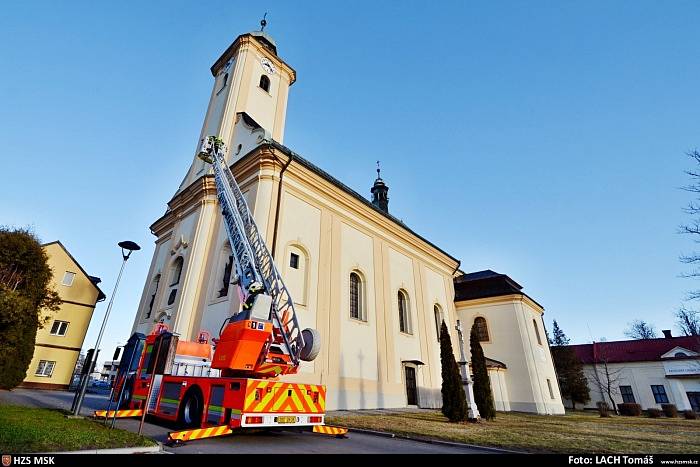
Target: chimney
(667, 333)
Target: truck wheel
(312, 344)
(191, 409)
(126, 395)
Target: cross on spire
(263, 22)
(378, 170)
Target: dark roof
(485, 284)
(93, 279)
(641, 350)
(331, 179)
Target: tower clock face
(267, 65)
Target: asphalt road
(248, 443)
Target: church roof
(639, 350)
(331, 179)
(485, 284)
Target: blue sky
(544, 140)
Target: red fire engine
(214, 386)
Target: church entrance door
(411, 389)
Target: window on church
(438, 319)
(177, 271)
(265, 83)
(294, 261)
(537, 332)
(482, 330)
(154, 291)
(404, 313)
(175, 279)
(226, 279)
(357, 310)
(551, 391)
(224, 82)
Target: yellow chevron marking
(119, 413)
(329, 430)
(200, 433)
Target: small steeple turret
(380, 192)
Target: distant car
(101, 384)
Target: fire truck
(213, 386)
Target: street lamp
(127, 247)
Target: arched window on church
(357, 302)
(482, 330)
(537, 332)
(154, 292)
(404, 312)
(437, 311)
(225, 274)
(224, 82)
(176, 272)
(265, 83)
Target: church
(375, 290)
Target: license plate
(286, 419)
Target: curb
(385, 434)
(158, 449)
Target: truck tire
(191, 409)
(126, 394)
(312, 344)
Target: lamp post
(127, 247)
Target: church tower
(251, 81)
(380, 192)
(188, 281)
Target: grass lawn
(24, 429)
(575, 432)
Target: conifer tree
(482, 385)
(572, 381)
(454, 402)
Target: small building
(511, 331)
(649, 372)
(59, 342)
(109, 370)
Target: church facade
(374, 289)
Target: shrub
(603, 408)
(482, 384)
(690, 415)
(630, 409)
(670, 410)
(654, 413)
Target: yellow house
(59, 342)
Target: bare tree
(693, 227)
(606, 377)
(688, 321)
(639, 329)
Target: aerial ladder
(215, 386)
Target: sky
(544, 140)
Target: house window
(45, 368)
(356, 297)
(154, 290)
(404, 313)
(537, 332)
(265, 83)
(68, 278)
(438, 319)
(59, 328)
(482, 330)
(679, 355)
(294, 261)
(226, 280)
(627, 394)
(659, 392)
(551, 391)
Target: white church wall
(300, 234)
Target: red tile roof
(642, 350)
